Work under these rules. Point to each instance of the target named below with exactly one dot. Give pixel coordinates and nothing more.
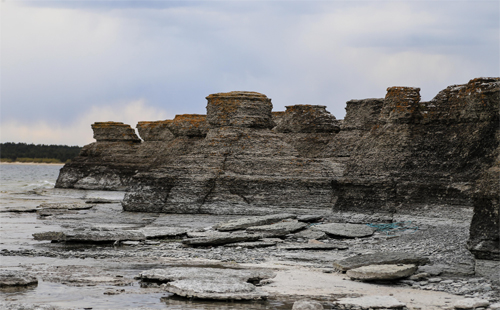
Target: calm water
(27, 186)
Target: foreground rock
(380, 258)
(345, 230)
(210, 283)
(90, 236)
(371, 302)
(471, 303)
(306, 304)
(221, 239)
(381, 272)
(313, 246)
(278, 229)
(243, 223)
(9, 278)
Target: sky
(67, 64)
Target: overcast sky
(67, 64)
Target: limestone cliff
(390, 154)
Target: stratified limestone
(155, 131)
(114, 131)
(16, 278)
(278, 229)
(307, 118)
(371, 302)
(240, 109)
(191, 125)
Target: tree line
(11, 151)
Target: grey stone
(252, 245)
(306, 304)
(489, 269)
(381, 272)
(313, 246)
(210, 283)
(373, 302)
(433, 270)
(221, 239)
(379, 259)
(162, 232)
(114, 131)
(471, 303)
(16, 278)
(310, 234)
(278, 229)
(345, 230)
(309, 218)
(91, 236)
(224, 289)
(246, 222)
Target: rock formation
(388, 155)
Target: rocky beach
(394, 207)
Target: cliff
(388, 155)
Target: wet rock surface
(9, 278)
(371, 302)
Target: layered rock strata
(392, 154)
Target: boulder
(305, 118)
(381, 272)
(380, 258)
(345, 230)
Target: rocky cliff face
(389, 154)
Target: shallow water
(23, 188)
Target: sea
(23, 187)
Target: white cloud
(79, 132)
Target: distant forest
(23, 152)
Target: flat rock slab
(372, 302)
(90, 236)
(162, 232)
(309, 218)
(216, 274)
(382, 272)
(65, 206)
(380, 258)
(278, 229)
(226, 289)
(313, 246)
(345, 230)
(246, 222)
(310, 234)
(210, 283)
(252, 245)
(10, 278)
(305, 304)
(471, 303)
(218, 239)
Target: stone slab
(278, 229)
(380, 258)
(243, 223)
(221, 239)
(381, 272)
(10, 278)
(345, 230)
(372, 302)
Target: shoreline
(29, 163)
